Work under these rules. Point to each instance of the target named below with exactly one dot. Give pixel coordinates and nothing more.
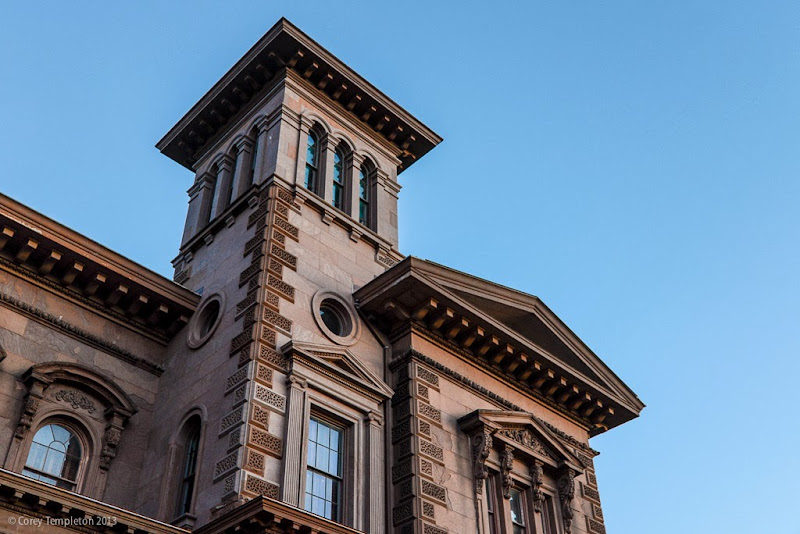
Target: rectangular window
(548, 516)
(491, 505)
(517, 512)
(324, 474)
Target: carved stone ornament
(525, 437)
(506, 464)
(110, 442)
(566, 492)
(75, 399)
(481, 445)
(26, 418)
(537, 475)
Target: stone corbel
(566, 492)
(481, 446)
(36, 386)
(111, 438)
(537, 475)
(506, 465)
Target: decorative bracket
(506, 464)
(537, 474)
(481, 445)
(566, 492)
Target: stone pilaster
(377, 489)
(294, 440)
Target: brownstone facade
(299, 373)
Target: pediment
(524, 432)
(339, 363)
(506, 331)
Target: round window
(336, 317)
(205, 321)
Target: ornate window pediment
(523, 433)
(62, 391)
(340, 365)
(520, 436)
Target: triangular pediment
(513, 332)
(341, 363)
(524, 432)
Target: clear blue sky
(634, 164)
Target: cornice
(76, 297)
(485, 393)
(80, 334)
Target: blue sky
(634, 164)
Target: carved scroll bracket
(566, 492)
(506, 465)
(481, 446)
(537, 474)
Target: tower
(293, 207)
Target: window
(336, 317)
(491, 504)
(338, 179)
(363, 196)
(517, 512)
(548, 516)
(324, 472)
(55, 457)
(312, 161)
(205, 321)
(189, 466)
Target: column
(354, 190)
(376, 500)
(222, 191)
(302, 144)
(325, 179)
(200, 195)
(260, 151)
(242, 176)
(294, 441)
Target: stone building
(299, 373)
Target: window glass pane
(312, 454)
(36, 456)
(44, 436)
(323, 435)
(311, 150)
(517, 517)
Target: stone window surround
(533, 516)
(363, 496)
(79, 428)
(170, 483)
(233, 166)
(346, 307)
(328, 141)
(193, 337)
(99, 436)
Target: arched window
(189, 466)
(338, 179)
(312, 161)
(55, 456)
(363, 196)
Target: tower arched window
(55, 456)
(363, 196)
(338, 179)
(312, 161)
(189, 466)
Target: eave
(284, 47)
(407, 295)
(23, 495)
(65, 262)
